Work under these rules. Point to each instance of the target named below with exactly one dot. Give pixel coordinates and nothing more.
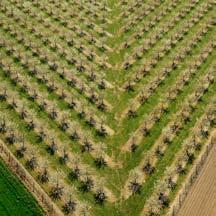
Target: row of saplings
(57, 190)
(52, 147)
(87, 145)
(146, 93)
(73, 28)
(186, 157)
(147, 26)
(53, 113)
(11, 138)
(149, 169)
(34, 95)
(172, 40)
(37, 49)
(71, 80)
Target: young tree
(132, 113)
(143, 97)
(57, 192)
(145, 129)
(101, 104)
(82, 112)
(72, 104)
(135, 186)
(13, 104)
(100, 162)
(129, 86)
(20, 152)
(43, 105)
(180, 167)
(127, 65)
(80, 66)
(196, 142)
(87, 184)
(72, 82)
(92, 75)
(74, 135)
(3, 125)
(64, 124)
(11, 137)
(163, 199)
(53, 66)
(148, 167)
(69, 206)
(133, 146)
(74, 173)
(100, 196)
(52, 86)
(102, 130)
(159, 151)
(204, 130)
(44, 176)
(64, 158)
(31, 125)
(31, 163)
(91, 121)
(102, 84)
(3, 94)
(52, 148)
(63, 94)
(170, 179)
(34, 95)
(189, 154)
(86, 146)
(41, 135)
(23, 113)
(53, 113)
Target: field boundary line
(17, 168)
(192, 176)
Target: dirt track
(201, 200)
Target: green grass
(14, 198)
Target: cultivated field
(201, 200)
(14, 198)
(107, 104)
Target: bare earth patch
(201, 200)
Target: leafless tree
(86, 146)
(52, 148)
(100, 196)
(31, 163)
(57, 192)
(44, 176)
(87, 184)
(20, 152)
(135, 186)
(69, 206)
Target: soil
(201, 200)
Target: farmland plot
(14, 198)
(107, 104)
(202, 197)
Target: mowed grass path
(15, 200)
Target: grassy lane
(14, 198)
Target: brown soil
(201, 200)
